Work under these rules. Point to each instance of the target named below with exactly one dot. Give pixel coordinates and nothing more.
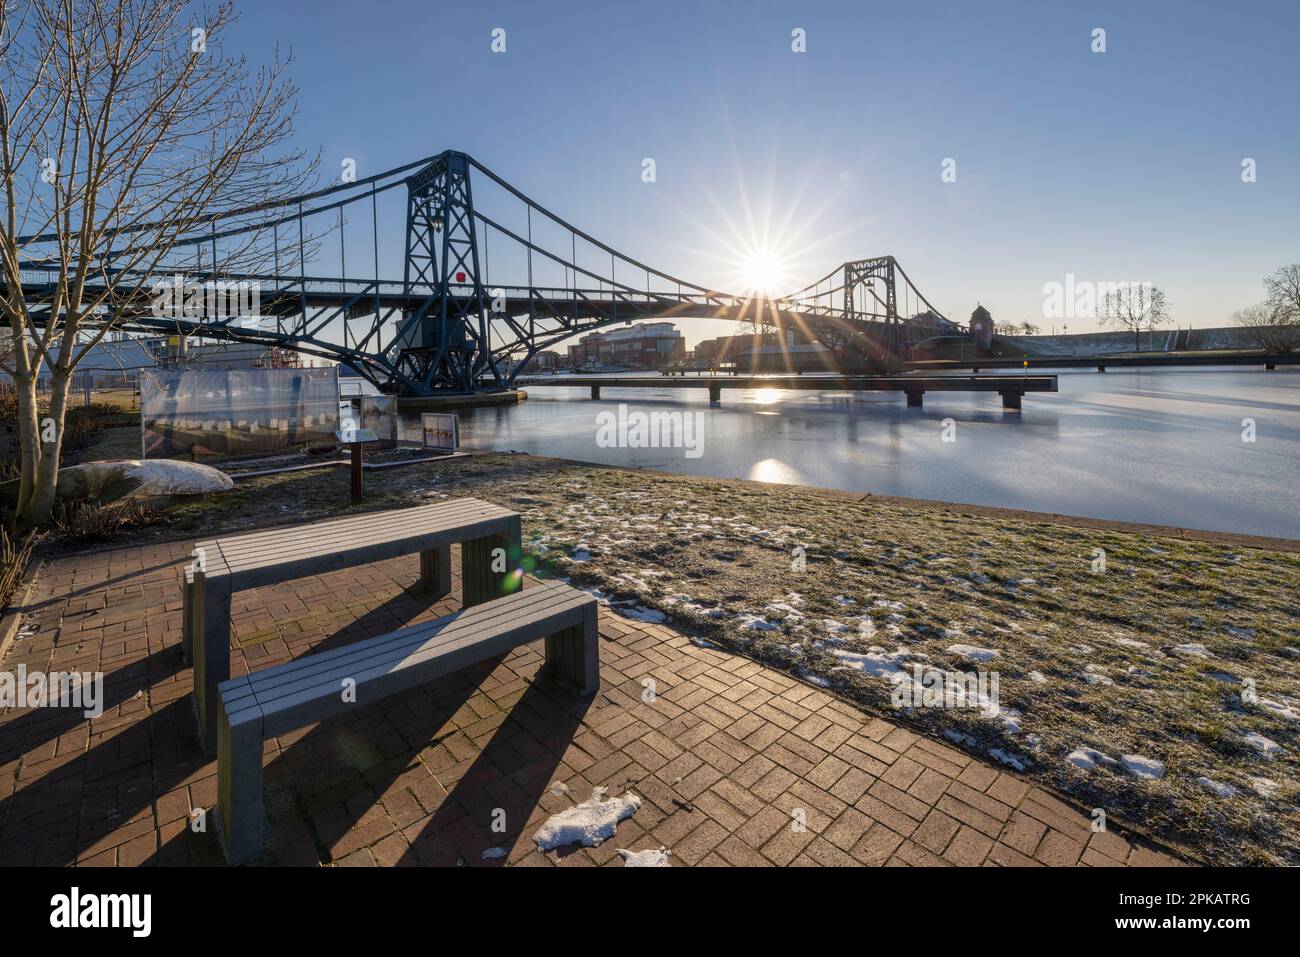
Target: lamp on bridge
(436, 222)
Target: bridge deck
(1011, 387)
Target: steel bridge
(487, 282)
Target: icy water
(1159, 446)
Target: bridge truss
(487, 282)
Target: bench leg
(211, 651)
(435, 570)
(187, 617)
(490, 566)
(573, 654)
(239, 787)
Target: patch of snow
(1239, 632)
(844, 600)
(650, 858)
(1193, 649)
(1095, 675)
(1263, 745)
(972, 653)
(641, 613)
(1038, 678)
(958, 738)
(1279, 710)
(588, 823)
(875, 661)
(820, 681)
(1088, 758)
(1142, 767)
(755, 623)
(1217, 787)
(492, 853)
(1130, 643)
(1011, 760)
(1264, 787)
(700, 642)
(580, 553)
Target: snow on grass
(648, 858)
(1264, 787)
(973, 653)
(844, 600)
(875, 661)
(1217, 787)
(1279, 710)
(580, 553)
(1011, 760)
(1142, 767)
(588, 823)
(1130, 643)
(958, 738)
(756, 623)
(1096, 675)
(1193, 650)
(1038, 678)
(1088, 758)
(641, 613)
(1266, 747)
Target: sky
(1117, 166)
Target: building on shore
(644, 345)
(790, 351)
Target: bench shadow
(505, 781)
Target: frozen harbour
(1165, 447)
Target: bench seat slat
(376, 523)
(528, 601)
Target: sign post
(355, 439)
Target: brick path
(724, 755)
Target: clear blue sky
(1115, 166)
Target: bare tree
(1028, 328)
(123, 128)
(1274, 324)
(1135, 306)
(1268, 327)
(1283, 290)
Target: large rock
(103, 482)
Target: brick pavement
(724, 755)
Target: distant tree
(1282, 288)
(1135, 306)
(1268, 328)
(1029, 329)
(1007, 328)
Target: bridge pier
(914, 398)
(1270, 365)
(715, 395)
(1011, 400)
(1101, 367)
(595, 392)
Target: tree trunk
(29, 439)
(40, 503)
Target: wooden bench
(489, 537)
(315, 687)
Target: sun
(764, 273)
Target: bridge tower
(859, 287)
(444, 342)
